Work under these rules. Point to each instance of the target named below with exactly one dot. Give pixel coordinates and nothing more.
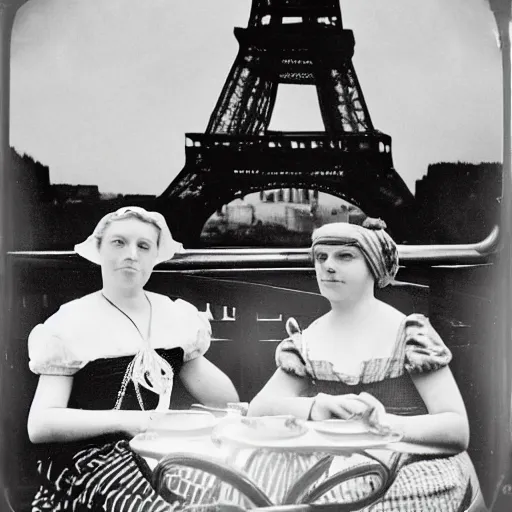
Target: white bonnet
(167, 246)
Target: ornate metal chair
(299, 497)
(202, 492)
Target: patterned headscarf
(378, 248)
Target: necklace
(147, 368)
(146, 339)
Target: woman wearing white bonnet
(107, 363)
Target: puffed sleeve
(196, 329)
(289, 352)
(52, 347)
(425, 351)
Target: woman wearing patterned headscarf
(366, 360)
(106, 364)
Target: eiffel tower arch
(288, 42)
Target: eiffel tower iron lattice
(293, 42)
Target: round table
(224, 453)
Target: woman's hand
(344, 407)
(375, 415)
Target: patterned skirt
(106, 478)
(112, 478)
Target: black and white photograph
(256, 255)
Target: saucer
(183, 423)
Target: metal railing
(213, 258)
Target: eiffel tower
(288, 42)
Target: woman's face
(128, 251)
(342, 272)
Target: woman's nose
(133, 253)
(328, 266)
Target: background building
(457, 202)
(276, 217)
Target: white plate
(340, 427)
(237, 434)
(183, 423)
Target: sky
(103, 91)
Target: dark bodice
(95, 387)
(97, 384)
(398, 395)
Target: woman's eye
(144, 247)
(321, 257)
(118, 243)
(346, 256)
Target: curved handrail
(459, 253)
(438, 254)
